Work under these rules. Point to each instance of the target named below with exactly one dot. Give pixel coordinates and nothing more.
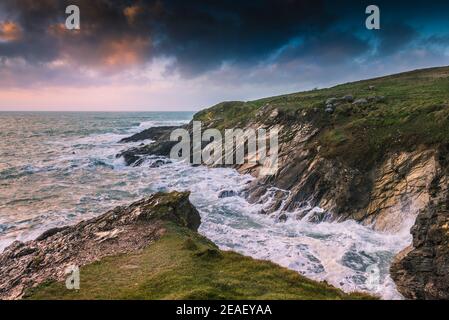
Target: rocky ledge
(121, 230)
(154, 133)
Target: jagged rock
(227, 194)
(154, 133)
(122, 230)
(282, 217)
(159, 148)
(274, 114)
(422, 271)
(317, 217)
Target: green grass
(415, 113)
(185, 265)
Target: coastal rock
(122, 230)
(421, 271)
(227, 194)
(159, 148)
(387, 196)
(274, 114)
(153, 133)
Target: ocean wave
(85, 179)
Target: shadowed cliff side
(421, 271)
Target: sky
(168, 55)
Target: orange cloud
(132, 12)
(124, 52)
(10, 31)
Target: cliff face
(373, 151)
(421, 271)
(388, 194)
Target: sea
(59, 168)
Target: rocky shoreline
(390, 187)
(122, 230)
(393, 187)
(147, 250)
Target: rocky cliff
(421, 271)
(369, 151)
(147, 250)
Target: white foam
(82, 187)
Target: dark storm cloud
(395, 37)
(202, 35)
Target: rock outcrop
(421, 271)
(371, 156)
(121, 230)
(153, 133)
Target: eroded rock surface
(121, 230)
(421, 271)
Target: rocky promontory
(121, 230)
(147, 250)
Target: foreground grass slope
(413, 111)
(185, 265)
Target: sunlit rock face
(421, 271)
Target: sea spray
(75, 175)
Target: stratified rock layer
(421, 271)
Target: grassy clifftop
(397, 112)
(185, 265)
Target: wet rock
(154, 133)
(282, 217)
(124, 229)
(129, 156)
(159, 163)
(421, 271)
(160, 148)
(317, 217)
(227, 194)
